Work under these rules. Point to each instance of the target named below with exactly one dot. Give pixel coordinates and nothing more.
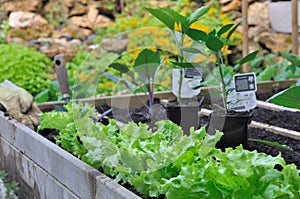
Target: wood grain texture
(72, 174)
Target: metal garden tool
(62, 77)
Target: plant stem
(224, 95)
(181, 69)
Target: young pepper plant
(180, 26)
(214, 41)
(146, 66)
(217, 43)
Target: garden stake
(62, 77)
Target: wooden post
(245, 67)
(295, 26)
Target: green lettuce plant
(167, 162)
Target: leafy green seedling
(146, 66)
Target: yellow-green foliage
(25, 67)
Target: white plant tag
(242, 97)
(192, 78)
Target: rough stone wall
(55, 25)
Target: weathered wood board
(46, 171)
(129, 100)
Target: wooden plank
(295, 27)
(67, 169)
(268, 86)
(274, 107)
(111, 190)
(276, 130)
(130, 101)
(33, 181)
(246, 66)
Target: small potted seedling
(237, 92)
(216, 42)
(145, 70)
(184, 108)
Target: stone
(81, 21)
(16, 40)
(255, 31)
(69, 52)
(114, 45)
(92, 14)
(57, 13)
(258, 14)
(29, 33)
(78, 9)
(72, 32)
(21, 5)
(231, 5)
(20, 19)
(101, 22)
(69, 3)
(84, 2)
(276, 42)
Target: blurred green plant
(4, 28)
(135, 17)
(55, 16)
(280, 66)
(25, 67)
(85, 77)
(7, 190)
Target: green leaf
(168, 17)
(248, 58)
(289, 98)
(42, 96)
(186, 64)
(271, 143)
(195, 16)
(294, 59)
(232, 30)
(197, 35)
(146, 64)
(213, 43)
(122, 68)
(224, 29)
(112, 77)
(267, 74)
(192, 50)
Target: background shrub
(25, 67)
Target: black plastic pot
(186, 116)
(234, 127)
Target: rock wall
(261, 35)
(60, 26)
(55, 24)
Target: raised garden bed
(44, 170)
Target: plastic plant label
(245, 82)
(242, 96)
(191, 78)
